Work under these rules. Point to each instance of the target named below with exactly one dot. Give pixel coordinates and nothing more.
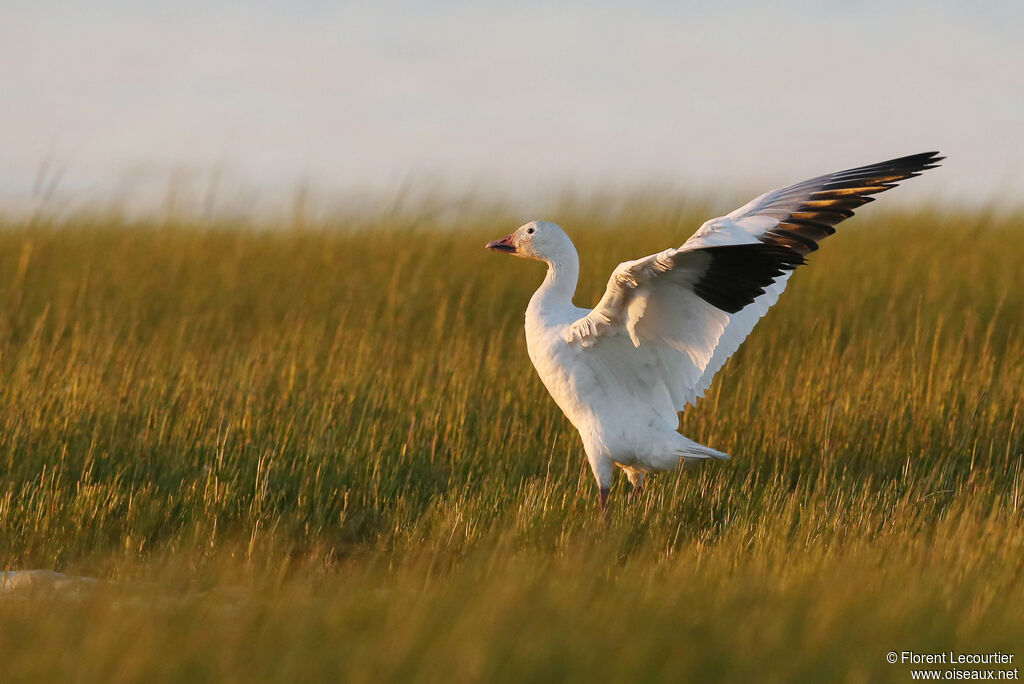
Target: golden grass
(320, 452)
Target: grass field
(319, 452)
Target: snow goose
(668, 322)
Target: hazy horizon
(242, 106)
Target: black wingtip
(839, 194)
(919, 161)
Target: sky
(232, 104)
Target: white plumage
(668, 322)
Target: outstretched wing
(689, 309)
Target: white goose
(668, 322)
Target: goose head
(540, 240)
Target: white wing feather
(661, 301)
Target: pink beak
(505, 244)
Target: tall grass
(320, 452)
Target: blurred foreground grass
(320, 453)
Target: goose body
(622, 372)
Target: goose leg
(603, 469)
(636, 480)
(602, 496)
